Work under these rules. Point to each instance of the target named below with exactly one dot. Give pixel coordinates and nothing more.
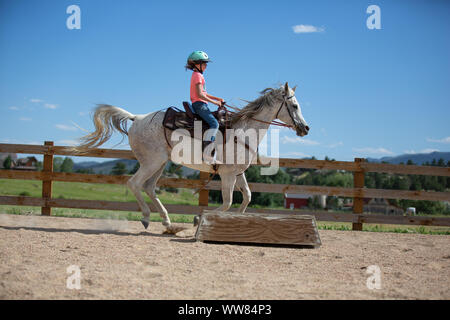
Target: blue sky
(364, 93)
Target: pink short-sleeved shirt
(196, 78)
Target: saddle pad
(175, 119)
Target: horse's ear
(293, 89)
(286, 88)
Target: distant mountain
(85, 164)
(416, 158)
(106, 166)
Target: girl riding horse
(197, 62)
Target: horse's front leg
(228, 181)
(242, 185)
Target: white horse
(147, 139)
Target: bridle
(273, 122)
(289, 111)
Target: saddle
(175, 118)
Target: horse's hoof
(173, 229)
(145, 223)
(196, 220)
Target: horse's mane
(268, 96)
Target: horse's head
(290, 112)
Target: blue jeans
(201, 108)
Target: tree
(7, 164)
(85, 170)
(415, 183)
(119, 169)
(174, 169)
(57, 162)
(313, 203)
(67, 165)
(39, 166)
(135, 168)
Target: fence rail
(283, 162)
(358, 193)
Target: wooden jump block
(261, 228)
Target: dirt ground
(121, 260)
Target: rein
(273, 122)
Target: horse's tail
(106, 118)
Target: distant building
(379, 205)
(298, 200)
(27, 164)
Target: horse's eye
(295, 106)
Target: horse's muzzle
(302, 130)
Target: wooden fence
(358, 193)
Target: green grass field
(93, 191)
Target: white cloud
(14, 108)
(373, 150)
(36, 100)
(296, 154)
(443, 140)
(303, 28)
(50, 106)
(429, 150)
(16, 141)
(335, 145)
(299, 140)
(69, 142)
(65, 127)
(25, 119)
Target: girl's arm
(215, 98)
(207, 97)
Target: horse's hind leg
(149, 187)
(136, 183)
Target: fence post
(47, 184)
(358, 202)
(203, 195)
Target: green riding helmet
(198, 56)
